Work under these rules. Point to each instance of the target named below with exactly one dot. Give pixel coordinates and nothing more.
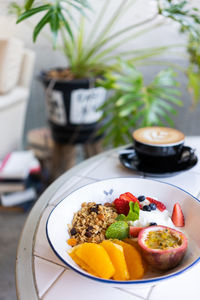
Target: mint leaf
(133, 212)
(118, 230)
(136, 208)
(121, 217)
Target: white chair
(16, 70)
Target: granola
(89, 224)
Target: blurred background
(34, 116)
(46, 58)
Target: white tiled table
(41, 275)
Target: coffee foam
(158, 136)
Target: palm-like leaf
(136, 104)
(193, 70)
(54, 17)
(189, 19)
(90, 54)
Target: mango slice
(80, 262)
(96, 257)
(133, 260)
(134, 243)
(116, 255)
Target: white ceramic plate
(108, 190)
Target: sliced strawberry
(121, 206)
(177, 216)
(159, 204)
(129, 197)
(134, 231)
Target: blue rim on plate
(125, 282)
(130, 160)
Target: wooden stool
(39, 140)
(56, 157)
(64, 156)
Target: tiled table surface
(41, 275)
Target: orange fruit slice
(116, 255)
(133, 260)
(134, 243)
(80, 262)
(96, 257)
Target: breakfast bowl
(58, 226)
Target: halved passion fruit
(163, 247)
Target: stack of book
(19, 182)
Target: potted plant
(72, 91)
(136, 104)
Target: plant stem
(98, 21)
(115, 46)
(163, 63)
(156, 50)
(107, 40)
(128, 28)
(107, 28)
(67, 49)
(80, 39)
(114, 18)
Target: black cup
(163, 155)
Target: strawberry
(121, 206)
(177, 216)
(129, 197)
(134, 231)
(122, 203)
(158, 204)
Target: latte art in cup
(158, 136)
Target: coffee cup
(160, 145)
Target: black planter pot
(72, 109)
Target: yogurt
(154, 216)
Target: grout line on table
(44, 294)
(51, 261)
(129, 292)
(150, 292)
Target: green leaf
(84, 3)
(54, 23)
(165, 78)
(28, 4)
(134, 211)
(135, 104)
(46, 19)
(128, 109)
(66, 24)
(33, 11)
(79, 9)
(15, 8)
(188, 18)
(170, 98)
(118, 230)
(133, 215)
(124, 99)
(167, 107)
(193, 84)
(121, 217)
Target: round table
(41, 275)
